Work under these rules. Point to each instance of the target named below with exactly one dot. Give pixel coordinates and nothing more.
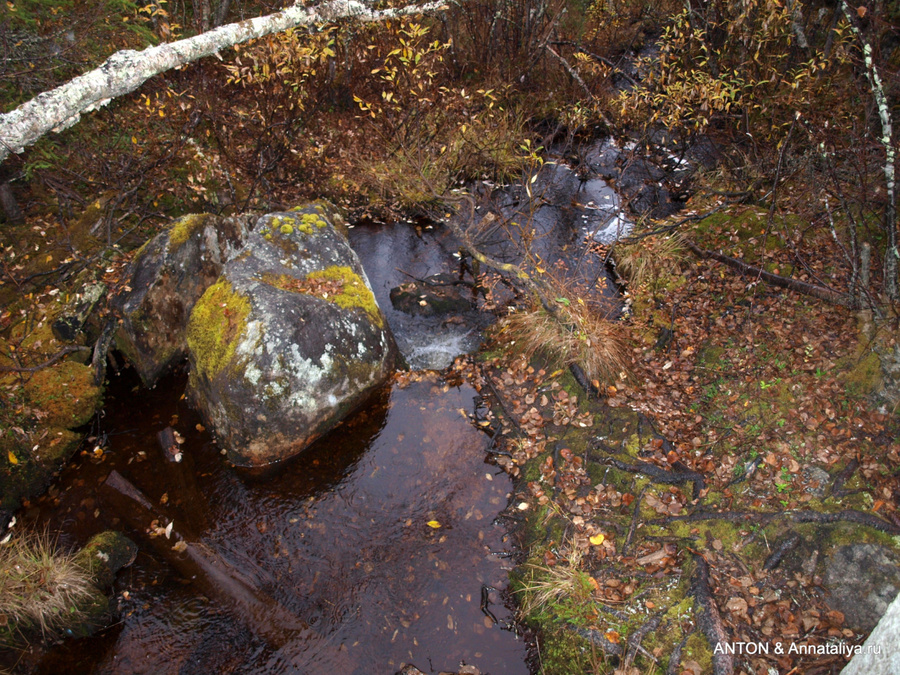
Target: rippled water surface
(381, 540)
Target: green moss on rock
(104, 555)
(215, 327)
(65, 393)
(185, 227)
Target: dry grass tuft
(40, 588)
(649, 260)
(544, 586)
(577, 335)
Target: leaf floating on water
(169, 529)
(433, 524)
(180, 546)
(12, 458)
(597, 539)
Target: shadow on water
(379, 540)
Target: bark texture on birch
(126, 70)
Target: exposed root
(764, 517)
(785, 547)
(837, 487)
(635, 517)
(658, 474)
(708, 618)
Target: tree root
(837, 487)
(598, 639)
(634, 641)
(756, 517)
(658, 474)
(635, 515)
(708, 618)
(789, 544)
(674, 666)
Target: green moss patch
(862, 376)
(338, 284)
(64, 395)
(216, 324)
(186, 227)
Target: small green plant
(783, 483)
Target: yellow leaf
(431, 523)
(597, 539)
(12, 458)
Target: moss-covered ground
(755, 422)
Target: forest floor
(716, 492)
(713, 494)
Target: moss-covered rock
(105, 554)
(64, 394)
(168, 275)
(288, 341)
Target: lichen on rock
(288, 341)
(215, 327)
(186, 227)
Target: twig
(599, 59)
(49, 362)
(826, 294)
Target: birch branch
(126, 70)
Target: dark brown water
(340, 538)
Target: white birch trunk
(126, 70)
(891, 255)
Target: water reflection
(380, 539)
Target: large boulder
(863, 580)
(168, 276)
(288, 340)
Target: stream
(381, 537)
(386, 538)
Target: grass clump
(648, 263)
(41, 589)
(543, 587)
(575, 334)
